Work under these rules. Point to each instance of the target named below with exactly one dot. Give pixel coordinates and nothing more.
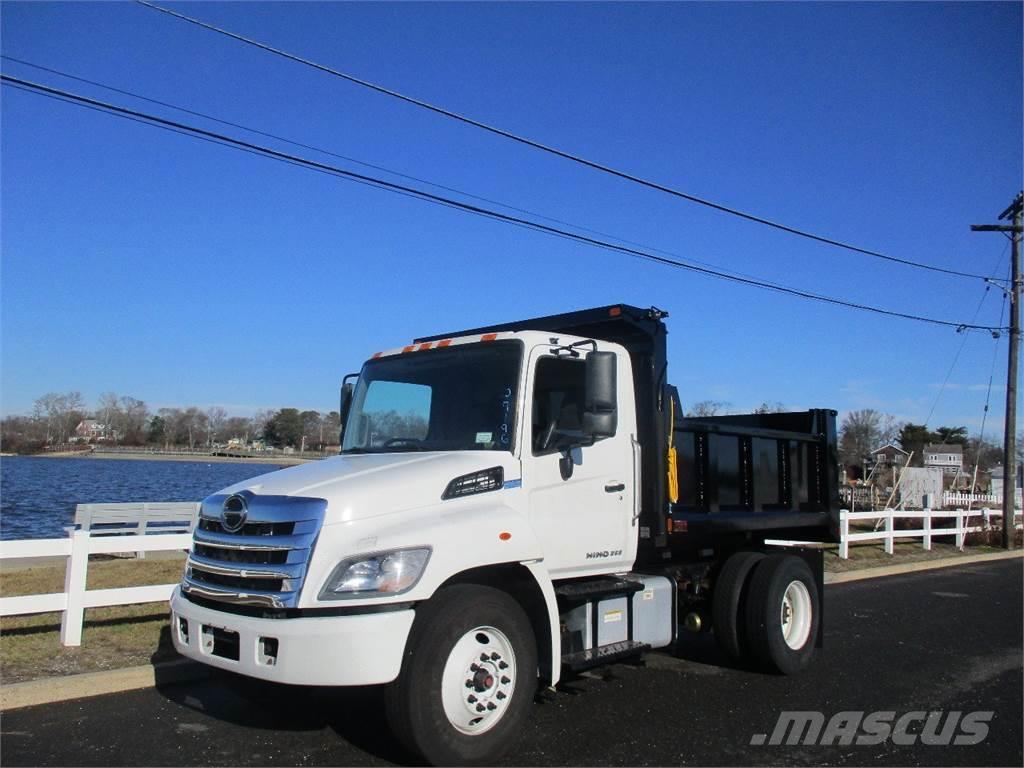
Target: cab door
(581, 497)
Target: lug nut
(479, 707)
(469, 683)
(491, 706)
(505, 680)
(501, 695)
(484, 657)
(471, 698)
(474, 667)
(495, 657)
(502, 665)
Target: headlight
(383, 573)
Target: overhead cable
(331, 153)
(250, 147)
(554, 150)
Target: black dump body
(742, 478)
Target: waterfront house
(949, 457)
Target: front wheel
(467, 679)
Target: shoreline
(195, 458)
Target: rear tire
(782, 614)
(728, 608)
(468, 677)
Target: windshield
(452, 399)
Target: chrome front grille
(263, 560)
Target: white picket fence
(955, 499)
(118, 534)
(962, 526)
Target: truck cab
(502, 511)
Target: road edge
(49, 690)
(55, 689)
(921, 565)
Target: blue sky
(180, 272)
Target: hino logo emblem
(234, 513)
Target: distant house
(90, 429)
(887, 457)
(949, 457)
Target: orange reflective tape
(410, 348)
(424, 346)
(444, 343)
(489, 337)
(615, 311)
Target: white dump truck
(511, 505)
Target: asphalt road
(935, 640)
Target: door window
(559, 389)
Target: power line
(554, 150)
(225, 140)
(331, 153)
(991, 374)
(963, 341)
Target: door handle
(615, 487)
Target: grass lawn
(871, 554)
(120, 636)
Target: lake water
(38, 495)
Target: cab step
(591, 589)
(603, 654)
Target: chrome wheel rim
(795, 614)
(478, 680)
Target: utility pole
(1013, 213)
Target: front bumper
(363, 649)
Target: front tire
(782, 614)
(467, 679)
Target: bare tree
(195, 425)
(108, 413)
(60, 413)
(258, 423)
(173, 422)
(237, 427)
(215, 419)
(133, 415)
(707, 408)
(863, 431)
(21, 434)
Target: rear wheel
(728, 609)
(782, 613)
(468, 677)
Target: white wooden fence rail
(113, 529)
(119, 532)
(961, 527)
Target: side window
(558, 401)
(396, 410)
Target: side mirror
(600, 415)
(347, 389)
